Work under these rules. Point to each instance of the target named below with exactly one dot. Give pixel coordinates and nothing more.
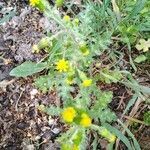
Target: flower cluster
(69, 62)
(70, 115)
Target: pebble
(56, 130)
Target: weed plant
(74, 69)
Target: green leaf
(147, 118)
(137, 8)
(118, 133)
(110, 146)
(110, 76)
(107, 116)
(130, 103)
(140, 58)
(43, 83)
(53, 110)
(27, 68)
(136, 144)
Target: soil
(22, 126)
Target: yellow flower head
(62, 65)
(66, 18)
(112, 138)
(34, 2)
(87, 83)
(85, 120)
(75, 147)
(69, 114)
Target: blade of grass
(137, 8)
(136, 144)
(116, 10)
(119, 134)
(130, 103)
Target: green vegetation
(72, 65)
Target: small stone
(30, 147)
(33, 93)
(56, 131)
(51, 121)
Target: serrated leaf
(44, 83)
(110, 76)
(107, 116)
(27, 68)
(140, 58)
(53, 110)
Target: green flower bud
(84, 49)
(66, 18)
(109, 136)
(59, 3)
(45, 42)
(76, 21)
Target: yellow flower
(75, 147)
(87, 82)
(34, 2)
(62, 65)
(85, 120)
(66, 18)
(69, 114)
(112, 138)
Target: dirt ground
(22, 126)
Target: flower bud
(45, 42)
(59, 3)
(35, 49)
(84, 49)
(76, 21)
(66, 18)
